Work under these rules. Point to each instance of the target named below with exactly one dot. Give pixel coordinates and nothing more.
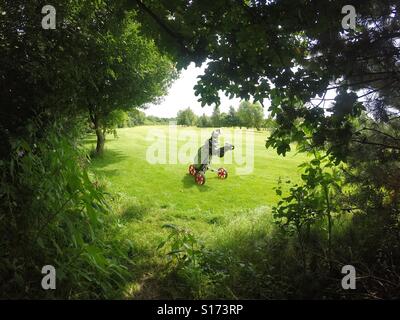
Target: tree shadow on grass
(107, 158)
(90, 141)
(189, 182)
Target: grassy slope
(149, 196)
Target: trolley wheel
(222, 173)
(192, 170)
(200, 178)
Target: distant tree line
(248, 115)
(133, 118)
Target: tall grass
(55, 212)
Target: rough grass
(222, 213)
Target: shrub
(54, 213)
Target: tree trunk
(101, 138)
(328, 209)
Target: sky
(181, 96)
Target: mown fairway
(147, 196)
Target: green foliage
(183, 248)
(231, 119)
(129, 71)
(136, 117)
(204, 121)
(41, 73)
(55, 212)
(186, 117)
(269, 123)
(311, 201)
(216, 117)
(115, 119)
(153, 120)
(253, 51)
(187, 256)
(301, 208)
(99, 60)
(250, 115)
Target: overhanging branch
(174, 35)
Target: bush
(54, 212)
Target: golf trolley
(200, 177)
(203, 159)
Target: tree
(223, 119)
(288, 59)
(244, 114)
(257, 115)
(96, 60)
(42, 77)
(116, 119)
(231, 119)
(46, 80)
(291, 52)
(250, 115)
(159, 121)
(216, 117)
(136, 117)
(204, 121)
(129, 72)
(269, 123)
(186, 117)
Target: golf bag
(204, 155)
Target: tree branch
(177, 37)
(385, 146)
(380, 132)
